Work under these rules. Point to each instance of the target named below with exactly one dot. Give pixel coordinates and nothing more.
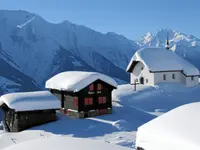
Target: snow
(77, 80)
(179, 127)
(8, 85)
(26, 23)
(26, 101)
(60, 142)
(131, 109)
(168, 60)
(77, 63)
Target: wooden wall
(18, 121)
(67, 97)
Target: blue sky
(131, 18)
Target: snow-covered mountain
(186, 46)
(39, 49)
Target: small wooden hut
(25, 110)
(83, 94)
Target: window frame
(91, 87)
(192, 78)
(88, 101)
(102, 100)
(99, 87)
(164, 76)
(173, 76)
(76, 101)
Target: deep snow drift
(178, 129)
(131, 109)
(59, 142)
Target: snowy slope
(177, 129)
(62, 142)
(131, 109)
(43, 45)
(159, 98)
(13, 80)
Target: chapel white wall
(159, 77)
(190, 82)
(142, 71)
(155, 78)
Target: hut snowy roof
(160, 59)
(77, 80)
(177, 129)
(27, 101)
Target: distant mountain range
(32, 50)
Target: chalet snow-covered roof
(26, 101)
(77, 80)
(178, 128)
(160, 59)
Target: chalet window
(102, 100)
(99, 87)
(192, 78)
(142, 68)
(136, 80)
(88, 101)
(75, 101)
(146, 80)
(92, 87)
(164, 76)
(173, 76)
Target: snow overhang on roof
(160, 59)
(77, 80)
(178, 128)
(28, 101)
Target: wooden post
(135, 85)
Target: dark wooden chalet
(90, 96)
(25, 110)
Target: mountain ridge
(40, 49)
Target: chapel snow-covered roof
(160, 59)
(77, 80)
(27, 101)
(178, 129)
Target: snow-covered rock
(41, 100)
(77, 80)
